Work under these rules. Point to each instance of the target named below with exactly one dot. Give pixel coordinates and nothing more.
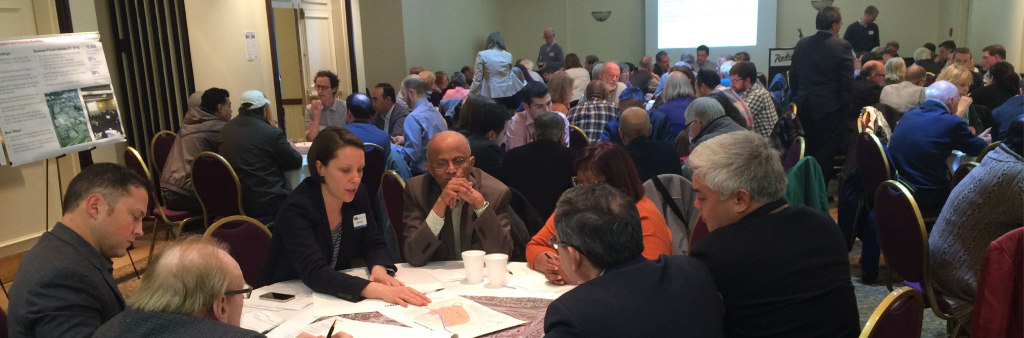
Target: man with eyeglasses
(193, 288)
(456, 207)
(867, 88)
(327, 110)
(599, 241)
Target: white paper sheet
(365, 330)
(539, 283)
(328, 305)
(453, 314)
(303, 296)
(259, 320)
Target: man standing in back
(863, 34)
(551, 55)
(64, 286)
(822, 82)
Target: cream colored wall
(445, 35)
(997, 22)
(620, 38)
(215, 32)
(383, 42)
(912, 23)
(524, 23)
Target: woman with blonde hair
(561, 87)
(895, 70)
(961, 77)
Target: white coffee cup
(497, 267)
(473, 260)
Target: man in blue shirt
(360, 111)
(1009, 111)
(421, 125)
(925, 137)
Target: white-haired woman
(678, 95)
(895, 71)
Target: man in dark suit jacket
(599, 241)
(822, 78)
(486, 129)
(64, 286)
(383, 97)
(455, 207)
(652, 158)
(543, 169)
(158, 310)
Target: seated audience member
(661, 63)
(743, 77)
(740, 185)
(327, 222)
(456, 207)
(895, 71)
(923, 140)
(741, 56)
(962, 57)
(651, 158)
(908, 94)
(991, 55)
(360, 112)
(923, 58)
(485, 132)
(609, 75)
(984, 206)
(1002, 83)
(560, 85)
(708, 83)
(727, 57)
(580, 76)
(886, 56)
(441, 82)
(212, 305)
(624, 71)
(200, 130)
(893, 47)
(63, 286)
(421, 125)
(1005, 114)
(603, 163)
(468, 73)
(723, 73)
(593, 113)
(542, 169)
(630, 98)
(961, 77)
(706, 119)
(677, 96)
(534, 76)
(644, 76)
(702, 61)
(260, 154)
(458, 88)
(327, 110)
(598, 236)
(944, 54)
(867, 87)
(465, 115)
(390, 116)
(536, 101)
(433, 93)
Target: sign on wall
(779, 61)
(55, 97)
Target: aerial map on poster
(55, 97)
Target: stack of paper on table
(328, 305)
(365, 330)
(303, 296)
(259, 320)
(539, 283)
(449, 314)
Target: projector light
(819, 4)
(601, 16)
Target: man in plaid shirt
(744, 81)
(595, 112)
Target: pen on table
(331, 331)
(432, 291)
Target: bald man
(867, 88)
(908, 94)
(551, 55)
(454, 207)
(651, 158)
(644, 76)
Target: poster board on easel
(56, 97)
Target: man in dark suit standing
(863, 34)
(652, 158)
(390, 117)
(822, 77)
(455, 207)
(542, 170)
(599, 240)
(64, 286)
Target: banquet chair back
(985, 151)
(900, 315)
(248, 243)
(873, 164)
(160, 149)
(374, 168)
(161, 213)
(795, 153)
(216, 186)
(577, 138)
(904, 242)
(961, 173)
(929, 79)
(392, 189)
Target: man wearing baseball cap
(260, 154)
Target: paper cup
(497, 267)
(473, 260)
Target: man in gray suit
(193, 289)
(390, 116)
(64, 286)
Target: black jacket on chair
(673, 296)
(302, 249)
(541, 170)
(653, 158)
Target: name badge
(551, 54)
(871, 32)
(359, 221)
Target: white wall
(445, 35)
(912, 23)
(997, 22)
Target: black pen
(331, 331)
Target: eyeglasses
(322, 87)
(458, 162)
(246, 291)
(576, 181)
(555, 244)
(687, 126)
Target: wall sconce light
(601, 16)
(819, 4)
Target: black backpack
(786, 129)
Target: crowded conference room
(512, 168)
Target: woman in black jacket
(326, 221)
